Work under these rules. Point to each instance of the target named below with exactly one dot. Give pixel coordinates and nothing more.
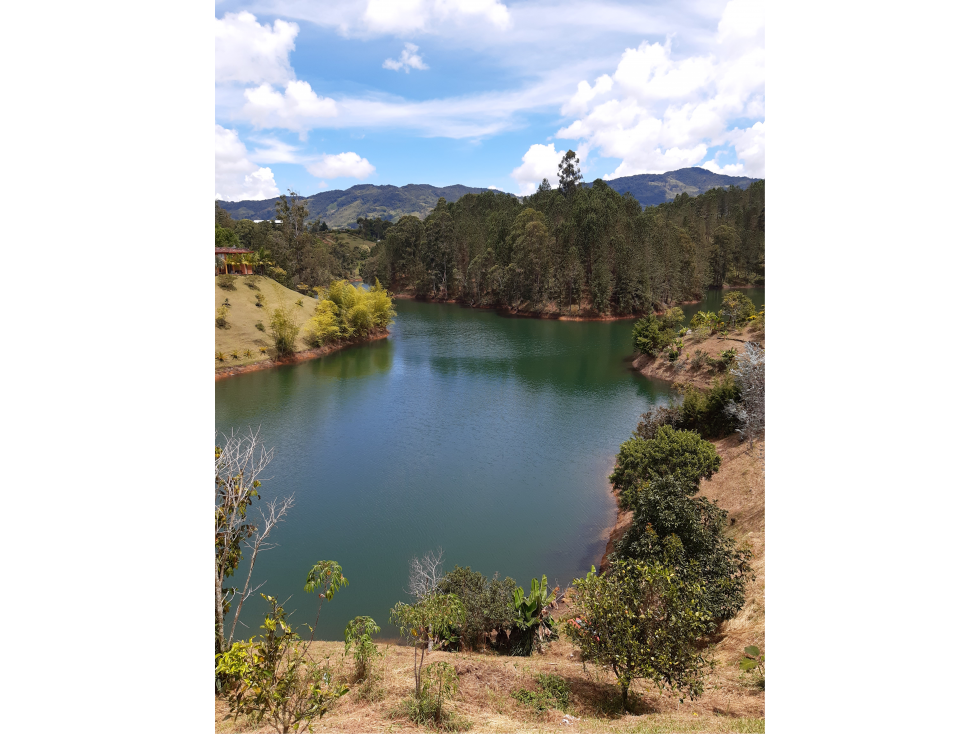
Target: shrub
(488, 604)
(299, 302)
(357, 635)
(703, 411)
(736, 308)
(263, 350)
(252, 282)
(221, 317)
(673, 318)
(689, 535)
(219, 356)
(649, 335)
(259, 300)
(260, 326)
(227, 282)
(234, 354)
(641, 621)
(553, 693)
(248, 354)
(699, 359)
(753, 663)
(681, 453)
(284, 329)
(534, 627)
(441, 683)
(673, 355)
(705, 320)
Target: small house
(232, 260)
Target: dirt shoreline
(225, 372)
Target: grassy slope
(729, 704)
(241, 333)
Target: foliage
(705, 320)
(753, 663)
(345, 311)
(357, 635)
(683, 454)
(221, 317)
(284, 328)
(650, 334)
(749, 375)
(699, 359)
(488, 604)
(643, 621)
(737, 308)
(672, 318)
(703, 411)
(259, 300)
(235, 354)
(553, 692)
(260, 326)
(429, 621)
(440, 683)
(219, 356)
(688, 534)
(569, 173)
(227, 282)
(534, 626)
(247, 354)
(275, 680)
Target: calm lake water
(489, 437)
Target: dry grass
(682, 371)
(241, 334)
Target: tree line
(575, 247)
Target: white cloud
(248, 52)
(275, 151)
(407, 16)
(342, 165)
(658, 112)
(298, 108)
(408, 60)
(235, 176)
(539, 162)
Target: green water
(491, 437)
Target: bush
(221, 317)
(553, 693)
(488, 604)
(259, 300)
(234, 354)
(689, 535)
(736, 308)
(357, 635)
(681, 453)
(227, 282)
(699, 359)
(219, 356)
(284, 329)
(260, 326)
(252, 282)
(705, 320)
(248, 354)
(673, 318)
(649, 335)
(262, 350)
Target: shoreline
(225, 372)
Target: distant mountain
(342, 208)
(652, 189)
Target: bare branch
(425, 574)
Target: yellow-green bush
(345, 311)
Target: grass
(240, 335)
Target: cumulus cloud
(245, 51)
(298, 108)
(235, 176)
(408, 60)
(342, 165)
(406, 16)
(539, 162)
(658, 112)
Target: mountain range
(342, 208)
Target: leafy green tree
(737, 308)
(643, 622)
(534, 626)
(569, 173)
(429, 620)
(275, 679)
(673, 318)
(689, 535)
(683, 454)
(488, 604)
(284, 327)
(357, 635)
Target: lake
(487, 436)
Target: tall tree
(569, 173)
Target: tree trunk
(625, 696)
(218, 613)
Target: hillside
(241, 333)
(341, 208)
(653, 189)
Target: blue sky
(313, 96)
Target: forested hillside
(364, 201)
(576, 248)
(653, 189)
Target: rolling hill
(341, 208)
(653, 189)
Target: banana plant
(533, 620)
